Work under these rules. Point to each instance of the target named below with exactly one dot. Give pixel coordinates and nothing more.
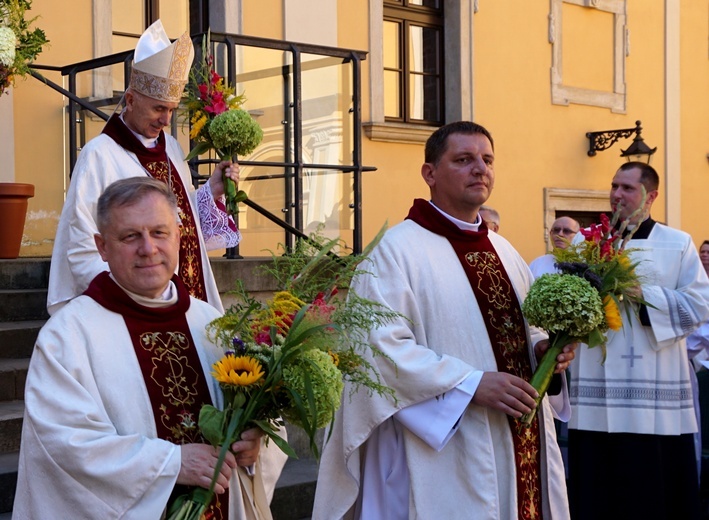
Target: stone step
(8, 481)
(13, 374)
(23, 304)
(17, 338)
(295, 490)
(292, 499)
(24, 273)
(11, 413)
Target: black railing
(292, 167)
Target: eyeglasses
(563, 231)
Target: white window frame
(563, 94)
(458, 73)
(566, 200)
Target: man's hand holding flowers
(635, 292)
(198, 464)
(505, 392)
(200, 460)
(568, 353)
(515, 396)
(216, 182)
(248, 447)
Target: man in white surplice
(448, 447)
(631, 446)
(118, 377)
(562, 231)
(132, 144)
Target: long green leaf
(280, 441)
(230, 437)
(198, 150)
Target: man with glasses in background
(562, 232)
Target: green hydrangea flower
(563, 303)
(235, 132)
(325, 381)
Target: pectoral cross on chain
(632, 356)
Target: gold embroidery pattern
(178, 383)
(488, 265)
(180, 56)
(190, 268)
(507, 331)
(155, 87)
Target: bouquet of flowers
(287, 358)
(19, 45)
(583, 301)
(218, 121)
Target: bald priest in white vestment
(132, 144)
(117, 380)
(451, 446)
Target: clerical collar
(148, 142)
(462, 224)
(167, 298)
(644, 229)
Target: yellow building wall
(40, 120)
(695, 118)
(263, 19)
(538, 144)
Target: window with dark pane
(413, 61)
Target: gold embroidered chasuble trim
(506, 329)
(190, 268)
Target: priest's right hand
(197, 467)
(507, 393)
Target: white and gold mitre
(160, 69)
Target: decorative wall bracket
(599, 141)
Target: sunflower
(612, 313)
(237, 370)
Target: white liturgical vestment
(471, 473)
(75, 258)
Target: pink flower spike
(219, 107)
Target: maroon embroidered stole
(168, 359)
(157, 163)
(505, 326)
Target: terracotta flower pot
(13, 209)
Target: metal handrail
(293, 167)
